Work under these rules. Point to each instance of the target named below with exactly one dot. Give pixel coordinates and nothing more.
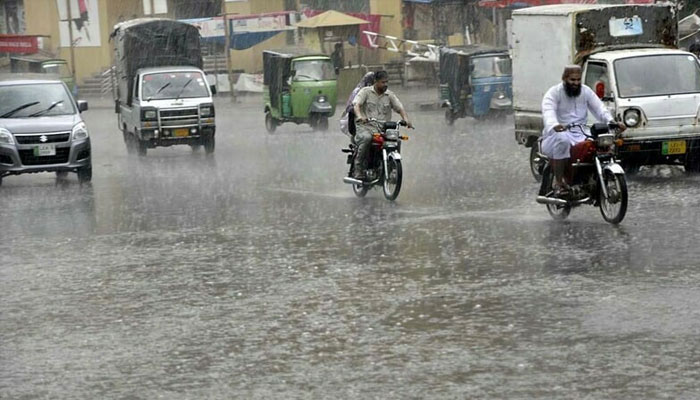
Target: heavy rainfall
(178, 219)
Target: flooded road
(257, 273)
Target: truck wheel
(209, 145)
(141, 147)
(692, 162)
(85, 174)
(270, 123)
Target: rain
(254, 271)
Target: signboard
(259, 24)
(19, 44)
(625, 26)
(84, 22)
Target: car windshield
(487, 67)
(33, 100)
(314, 70)
(657, 75)
(170, 85)
(60, 69)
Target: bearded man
(565, 104)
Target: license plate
(181, 132)
(673, 147)
(45, 150)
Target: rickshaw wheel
(270, 123)
(449, 117)
(322, 124)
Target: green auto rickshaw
(40, 64)
(299, 87)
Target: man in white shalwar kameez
(564, 104)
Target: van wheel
(209, 145)
(270, 123)
(141, 147)
(85, 174)
(130, 142)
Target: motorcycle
(384, 161)
(598, 179)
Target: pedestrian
(338, 57)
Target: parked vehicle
(384, 164)
(597, 179)
(629, 58)
(162, 97)
(40, 64)
(300, 87)
(41, 130)
(475, 81)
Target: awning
(331, 18)
(245, 30)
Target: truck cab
(656, 93)
(168, 106)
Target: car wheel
(85, 174)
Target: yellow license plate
(673, 147)
(181, 132)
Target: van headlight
(80, 131)
(6, 137)
(632, 118)
(206, 111)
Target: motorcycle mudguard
(614, 168)
(394, 155)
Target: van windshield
(171, 85)
(314, 70)
(33, 100)
(487, 67)
(657, 75)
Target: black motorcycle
(384, 161)
(598, 179)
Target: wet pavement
(257, 273)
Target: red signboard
(21, 44)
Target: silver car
(41, 130)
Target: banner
(84, 22)
(19, 44)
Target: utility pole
(227, 44)
(70, 39)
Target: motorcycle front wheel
(392, 182)
(557, 212)
(614, 207)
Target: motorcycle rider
(373, 102)
(568, 103)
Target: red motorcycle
(598, 179)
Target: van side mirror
(213, 89)
(82, 105)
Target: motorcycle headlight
(605, 140)
(6, 137)
(80, 131)
(632, 118)
(206, 111)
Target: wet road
(257, 274)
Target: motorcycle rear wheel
(536, 162)
(614, 207)
(558, 213)
(360, 190)
(392, 182)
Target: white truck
(630, 59)
(162, 97)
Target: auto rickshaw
(475, 81)
(300, 87)
(36, 63)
